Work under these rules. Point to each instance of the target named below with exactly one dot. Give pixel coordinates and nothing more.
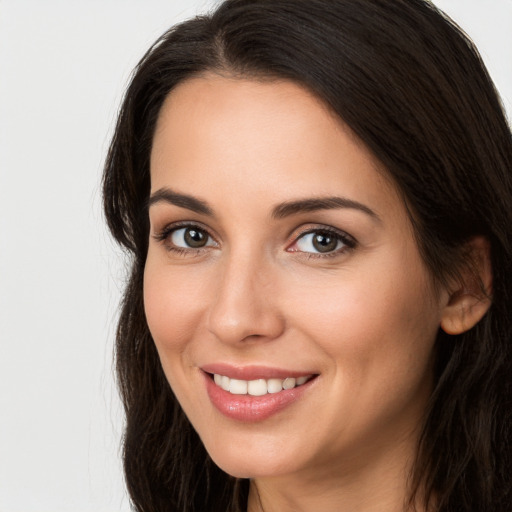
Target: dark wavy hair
(413, 88)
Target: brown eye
(191, 237)
(324, 242)
(195, 238)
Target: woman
(316, 196)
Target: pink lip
(247, 408)
(252, 372)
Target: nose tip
(230, 326)
(243, 309)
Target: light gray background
(63, 67)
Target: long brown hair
(413, 88)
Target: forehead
(213, 105)
(270, 137)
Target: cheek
(379, 340)
(372, 325)
(173, 302)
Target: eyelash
(349, 243)
(164, 238)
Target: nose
(245, 308)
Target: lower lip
(250, 408)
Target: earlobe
(471, 298)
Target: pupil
(195, 238)
(324, 243)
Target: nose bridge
(243, 306)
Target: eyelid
(348, 240)
(163, 236)
(173, 226)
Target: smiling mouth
(258, 387)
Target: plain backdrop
(63, 67)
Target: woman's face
(282, 267)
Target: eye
(190, 237)
(185, 240)
(322, 242)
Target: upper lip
(252, 372)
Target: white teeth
(238, 387)
(258, 387)
(289, 383)
(224, 383)
(274, 385)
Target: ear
(471, 296)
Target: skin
(362, 318)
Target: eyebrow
(182, 200)
(320, 203)
(280, 211)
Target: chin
(250, 464)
